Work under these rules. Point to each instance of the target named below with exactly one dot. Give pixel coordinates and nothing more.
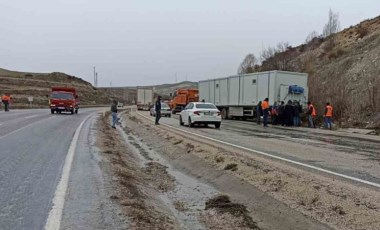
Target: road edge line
(273, 156)
(53, 221)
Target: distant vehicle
(64, 99)
(237, 96)
(165, 110)
(200, 113)
(144, 98)
(182, 97)
(120, 105)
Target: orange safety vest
(5, 98)
(329, 112)
(314, 113)
(265, 105)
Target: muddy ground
(153, 195)
(338, 204)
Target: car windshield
(164, 106)
(62, 95)
(205, 106)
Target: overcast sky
(149, 42)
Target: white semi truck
(238, 96)
(144, 98)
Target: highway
(33, 149)
(352, 155)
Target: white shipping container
(245, 91)
(145, 96)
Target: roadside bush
(362, 31)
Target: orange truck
(64, 99)
(182, 97)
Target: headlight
(71, 105)
(52, 105)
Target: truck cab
(63, 99)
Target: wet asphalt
(33, 148)
(349, 154)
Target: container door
(223, 91)
(233, 91)
(249, 92)
(217, 92)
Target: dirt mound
(223, 204)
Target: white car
(200, 113)
(165, 110)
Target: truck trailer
(238, 95)
(144, 98)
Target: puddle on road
(189, 196)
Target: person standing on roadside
(311, 114)
(114, 113)
(6, 98)
(265, 108)
(281, 113)
(297, 112)
(328, 116)
(157, 107)
(259, 112)
(274, 114)
(289, 113)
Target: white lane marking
(17, 130)
(53, 221)
(28, 117)
(273, 156)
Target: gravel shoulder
(338, 204)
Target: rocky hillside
(343, 69)
(22, 85)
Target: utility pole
(94, 77)
(175, 77)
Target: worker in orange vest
(6, 99)
(328, 116)
(311, 114)
(265, 108)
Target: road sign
(30, 99)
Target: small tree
(249, 64)
(331, 28)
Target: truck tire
(52, 111)
(169, 115)
(180, 121)
(72, 111)
(217, 125)
(76, 111)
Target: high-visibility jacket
(329, 111)
(265, 105)
(313, 112)
(5, 98)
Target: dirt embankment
(340, 205)
(152, 198)
(343, 70)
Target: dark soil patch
(232, 167)
(223, 204)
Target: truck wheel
(169, 115)
(52, 111)
(72, 111)
(190, 124)
(180, 121)
(76, 111)
(217, 125)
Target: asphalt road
(33, 149)
(353, 155)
